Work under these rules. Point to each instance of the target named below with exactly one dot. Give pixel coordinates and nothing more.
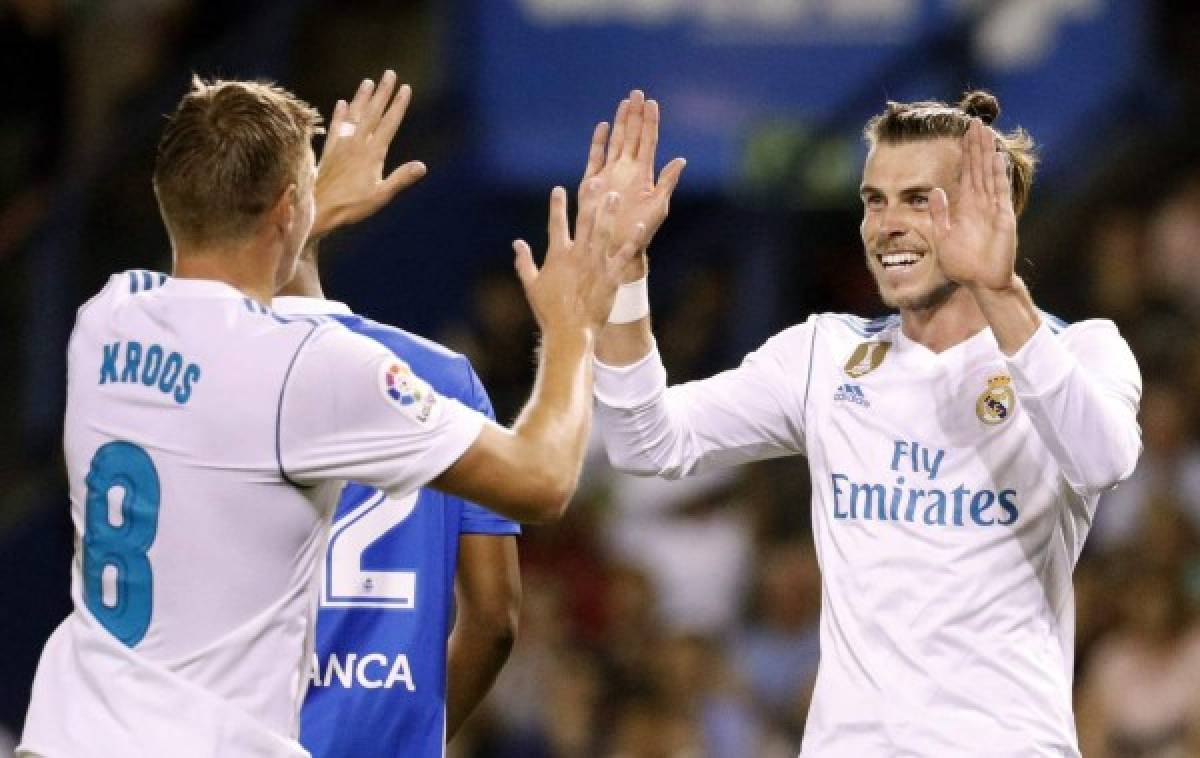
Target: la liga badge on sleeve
(407, 392)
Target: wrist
(631, 303)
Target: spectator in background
(1139, 695)
(777, 651)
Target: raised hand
(976, 239)
(350, 181)
(623, 161)
(576, 284)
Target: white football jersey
(952, 493)
(206, 441)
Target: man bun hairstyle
(928, 119)
(228, 151)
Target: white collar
(295, 305)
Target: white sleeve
(1081, 390)
(744, 414)
(350, 409)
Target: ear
(283, 213)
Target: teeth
(899, 259)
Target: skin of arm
(488, 595)
(527, 473)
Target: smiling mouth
(898, 260)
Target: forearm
(625, 344)
(554, 424)
(1010, 313)
(649, 429)
(475, 659)
(1084, 408)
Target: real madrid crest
(866, 358)
(997, 403)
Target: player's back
(191, 579)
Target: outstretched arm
(529, 472)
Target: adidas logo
(851, 393)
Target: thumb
(527, 270)
(404, 177)
(669, 177)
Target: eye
(873, 202)
(920, 201)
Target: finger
(606, 219)
(974, 157)
(337, 124)
(557, 230)
(668, 179)
(648, 144)
(1002, 180)
(359, 103)
(403, 177)
(638, 241)
(378, 102)
(586, 220)
(527, 270)
(939, 209)
(595, 160)
(987, 149)
(633, 129)
(616, 263)
(617, 138)
(393, 117)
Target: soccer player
(379, 684)
(207, 438)
(957, 447)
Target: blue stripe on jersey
(147, 280)
(133, 282)
(279, 408)
(162, 279)
(1055, 323)
(864, 327)
(360, 702)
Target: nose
(891, 222)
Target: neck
(242, 265)
(307, 280)
(946, 324)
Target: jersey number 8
(118, 584)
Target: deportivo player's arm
(487, 589)
(1081, 390)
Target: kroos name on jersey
(152, 367)
(931, 506)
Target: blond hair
(229, 150)
(906, 122)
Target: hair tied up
(981, 105)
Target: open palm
(976, 239)
(623, 162)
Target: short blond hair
(229, 150)
(908, 122)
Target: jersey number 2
(346, 583)
(121, 523)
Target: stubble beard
(928, 301)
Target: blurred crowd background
(659, 619)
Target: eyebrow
(867, 189)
